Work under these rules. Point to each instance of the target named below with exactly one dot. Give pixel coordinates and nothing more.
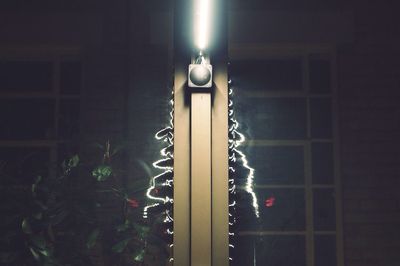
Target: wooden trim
(220, 192)
(281, 50)
(272, 233)
(36, 95)
(29, 143)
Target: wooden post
(200, 150)
(200, 211)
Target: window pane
(320, 76)
(321, 118)
(286, 212)
(66, 151)
(325, 250)
(322, 163)
(324, 209)
(22, 165)
(69, 119)
(70, 77)
(271, 164)
(273, 118)
(270, 250)
(26, 119)
(26, 76)
(270, 75)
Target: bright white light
(166, 135)
(234, 145)
(202, 11)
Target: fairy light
(165, 178)
(165, 165)
(236, 139)
(235, 142)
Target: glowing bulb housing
(200, 76)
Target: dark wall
(369, 116)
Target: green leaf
(98, 145)
(34, 185)
(45, 252)
(34, 253)
(117, 149)
(122, 227)
(59, 217)
(102, 172)
(120, 246)
(73, 161)
(142, 230)
(39, 241)
(92, 238)
(139, 255)
(26, 227)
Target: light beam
(202, 17)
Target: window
(284, 100)
(39, 114)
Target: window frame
(273, 51)
(56, 55)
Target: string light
(165, 165)
(165, 178)
(236, 139)
(235, 142)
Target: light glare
(201, 23)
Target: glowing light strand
(235, 141)
(165, 165)
(237, 156)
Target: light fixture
(200, 75)
(200, 71)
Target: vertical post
(200, 149)
(200, 179)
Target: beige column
(200, 179)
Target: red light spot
(269, 202)
(133, 203)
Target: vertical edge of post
(220, 172)
(181, 209)
(220, 201)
